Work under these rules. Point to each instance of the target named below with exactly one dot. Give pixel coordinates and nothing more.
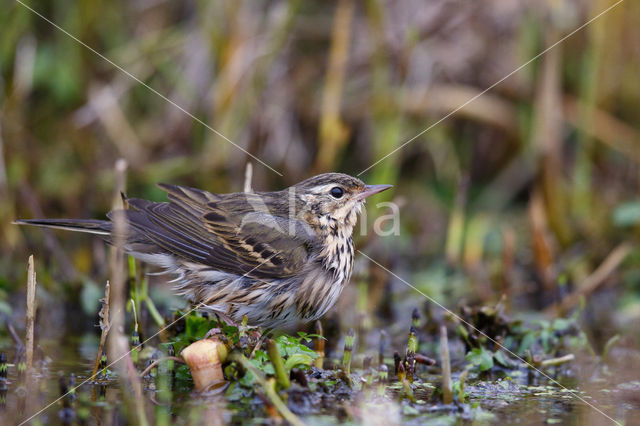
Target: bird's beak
(370, 190)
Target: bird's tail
(97, 227)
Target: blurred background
(530, 191)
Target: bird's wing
(226, 233)
(189, 198)
(273, 245)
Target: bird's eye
(337, 192)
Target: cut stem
(318, 345)
(31, 310)
(348, 349)
(557, 361)
(447, 392)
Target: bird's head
(335, 196)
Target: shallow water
(515, 399)
(514, 396)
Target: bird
(278, 257)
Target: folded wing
(234, 233)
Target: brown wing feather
(198, 226)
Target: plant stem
(270, 389)
(278, 365)
(557, 361)
(31, 310)
(155, 363)
(318, 345)
(447, 393)
(105, 325)
(348, 349)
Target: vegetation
(519, 208)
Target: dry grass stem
(333, 132)
(31, 311)
(105, 325)
(155, 363)
(248, 177)
(447, 391)
(116, 124)
(117, 342)
(558, 361)
(593, 281)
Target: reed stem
(31, 311)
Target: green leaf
(481, 358)
(196, 326)
(298, 359)
(561, 324)
(501, 359)
(288, 345)
(526, 342)
(308, 337)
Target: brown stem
(595, 280)
(557, 361)
(447, 392)
(158, 361)
(31, 310)
(105, 325)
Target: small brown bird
(276, 257)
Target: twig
(31, 310)
(557, 361)
(117, 343)
(158, 361)
(105, 325)
(593, 281)
(424, 360)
